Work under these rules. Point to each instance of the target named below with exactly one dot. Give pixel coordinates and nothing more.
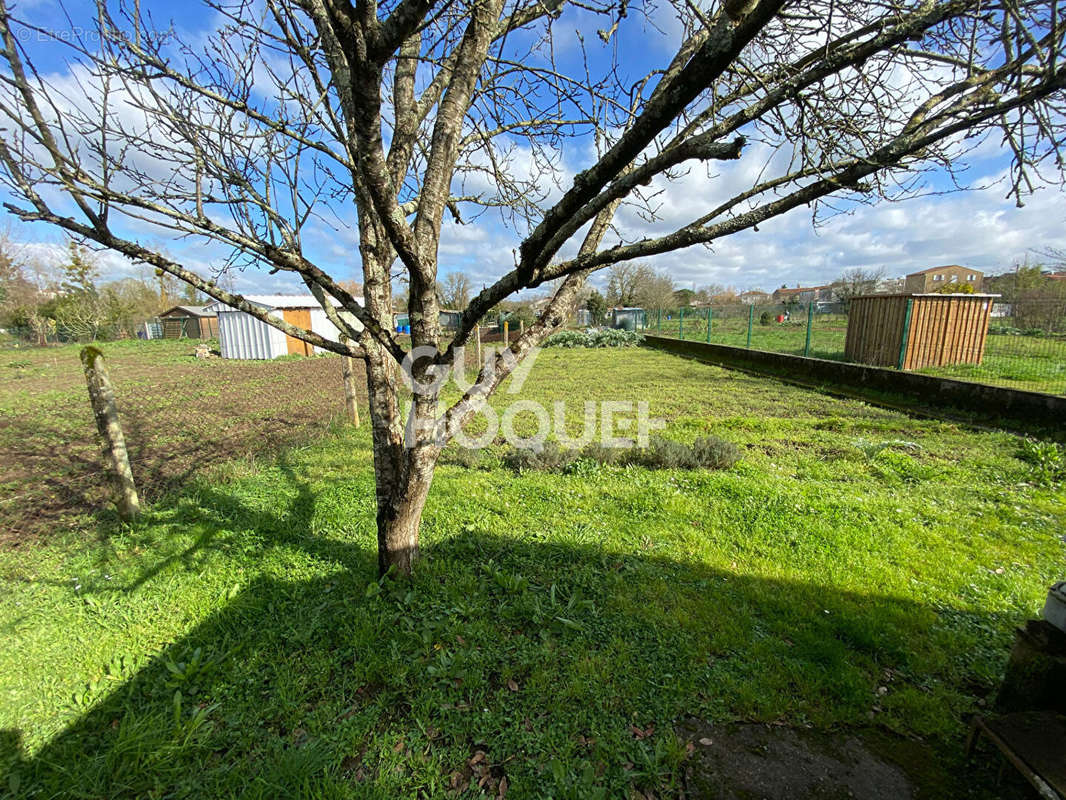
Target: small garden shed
(911, 331)
(189, 322)
(243, 336)
(630, 319)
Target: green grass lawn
(235, 642)
(1032, 363)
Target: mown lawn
(1032, 363)
(235, 641)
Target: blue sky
(980, 229)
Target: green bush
(1047, 459)
(765, 318)
(710, 452)
(550, 458)
(600, 337)
(462, 457)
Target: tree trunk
(400, 515)
(402, 473)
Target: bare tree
(655, 290)
(386, 115)
(854, 282)
(639, 285)
(455, 291)
(622, 282)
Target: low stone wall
(1032, 408)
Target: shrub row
(710, 452)
(598, 337)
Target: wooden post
(521, 326)
(506, 325)
(810, 321)
(902, 362)
(102, 398)
(477, 341)
(349, 390)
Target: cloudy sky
(980, 228)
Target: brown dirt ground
(750, 761)
(181, 416)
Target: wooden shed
(189, 322)
(911, 331)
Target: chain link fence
(1025, 347)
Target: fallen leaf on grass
(642, 734)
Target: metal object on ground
(1036, 672)
(1034, 742)
(1055, 607)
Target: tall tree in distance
(455, 291)
(622, 282)
(383, 116)
(80, 310)
(855, 282)
(596, 305)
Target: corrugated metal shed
(245, 337)
(911, 331)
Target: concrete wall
(1032, 408)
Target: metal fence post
(906, 333)
(681, 323)
(708, 324)
(751, 321)
(810, 320)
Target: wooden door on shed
(302, 318)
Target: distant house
(243, 336)
(889, 286)
(188, 322)
(753, 297)
(935, 278)
(803, 295)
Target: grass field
(180, 414)
(1033, 363)
(234, 642)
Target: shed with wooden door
(243, 336)
(912, 331)
(189, 322)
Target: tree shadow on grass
(566, 667)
